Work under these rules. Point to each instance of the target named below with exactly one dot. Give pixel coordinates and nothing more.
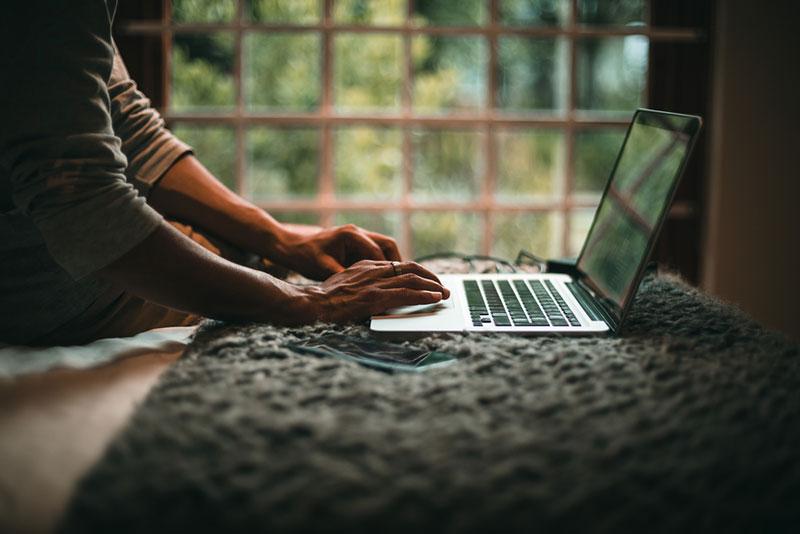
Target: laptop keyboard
(538, 304)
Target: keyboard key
(573, 321)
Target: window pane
(367, 71)
(611, 73)
(595, 153)
(532, 74)
(368, 162)
(384, 223)
(377, 12)
(202, 72)
(580, 220)
(611, 12)
(448, 164)
(434, 232)
(449, 72)
(291, 11)
(215, 147)
(450, 12)
(530, 163)
(282, 162)
(533, 232)
(296, 217)
(203, 10)
(535, 12)
(282, 71)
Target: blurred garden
(557, 162)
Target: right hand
(370, 287)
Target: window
(470, 125)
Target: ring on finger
(396, 268)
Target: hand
(318, 255)
(371, 287)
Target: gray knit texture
(689, 421)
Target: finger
(394, 298)
(364, 247)
(330, 264)
(412, 267)
(414, 281)
(387, 244)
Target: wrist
(295, 304)
(275, 239)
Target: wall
(753, 226)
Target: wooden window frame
(142, 24)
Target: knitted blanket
(690, 420)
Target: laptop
(595, 295)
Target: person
(90, 179)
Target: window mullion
(326, 187)
(569, 167)
(407, 147)
(489, 142)
(238, 65)
(166, 50)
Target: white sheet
(17, 361)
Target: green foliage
(282, 162)
(611, 73)
(282, 71)
(532, 73)
(531, 231)
(375, 171)
(433, 232)
(203, 10)
(449, 72)
(450, 12)
(535, 12)
(611, 12)
(448, 164)
(530, 162)
(580, 222)
(202, 79)
(377, 12)
(367, 71)
(290, 11)
(595, 152)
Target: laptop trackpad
(419, 309)
(443, 316)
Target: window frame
(487, 121)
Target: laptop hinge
(597, 305)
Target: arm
(181, 188)
(198, 281)
(66, 172)
(189, 192)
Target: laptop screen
(636, 199)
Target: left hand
(320, 254)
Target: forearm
(172, 270)
(190, 193)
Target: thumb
(330, 264)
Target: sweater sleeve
(149, 147)
(66, 165)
